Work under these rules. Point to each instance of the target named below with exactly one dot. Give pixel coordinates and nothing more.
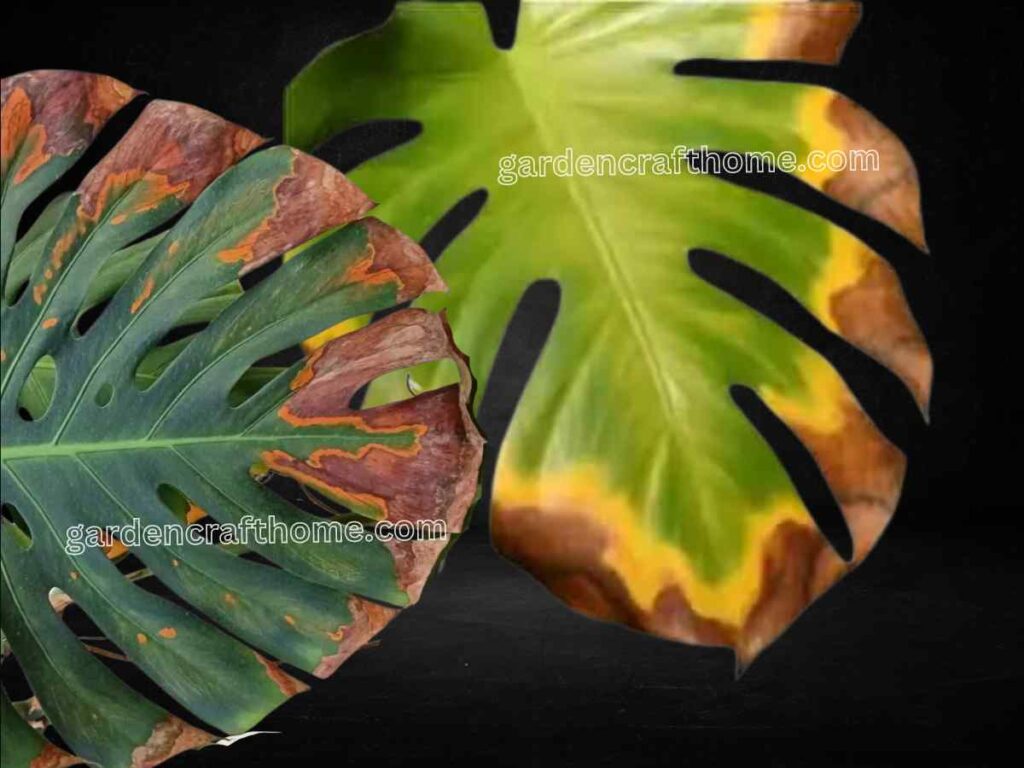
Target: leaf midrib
(51, 450)
(607, 257)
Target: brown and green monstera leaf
(117, 420)
(630, 482)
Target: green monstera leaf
(116, 421)
(630, 482)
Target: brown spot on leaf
(414, 562)
(287, 684)
(144, 294)
(52, 756)
(394, 253)
(404, 483)
(49, 322)
(168, 632)
(172, 152)
(313, 198)
(367, 620)
(169, 738)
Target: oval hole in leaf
(37, 393)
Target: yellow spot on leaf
(49, 322)
(168, 632)
(230, 599)
(142, 638)
(289, 619)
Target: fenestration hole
(104, 395)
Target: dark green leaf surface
(104, 426)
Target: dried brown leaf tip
(368, 619)
(166, 159)
(812, 32)
(170, 737)
(172, 151)
(50, 113)
(890, 192)
(312, 198)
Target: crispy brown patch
(172, 152)
(813, 32)
(892, 193)
(864, 471)
(395, 254)
(287, 684)
(53, 757)
(314, 474)
(170, 737)
(798, 565)
(367, 620)
(414, 562)
(313, 198)
(564, 551)
(436, 478)
(175, 149)
(356, 421)
(874, 315)
(56, 113)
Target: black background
(917, 652)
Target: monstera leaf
(630, 482)
(114, 421)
